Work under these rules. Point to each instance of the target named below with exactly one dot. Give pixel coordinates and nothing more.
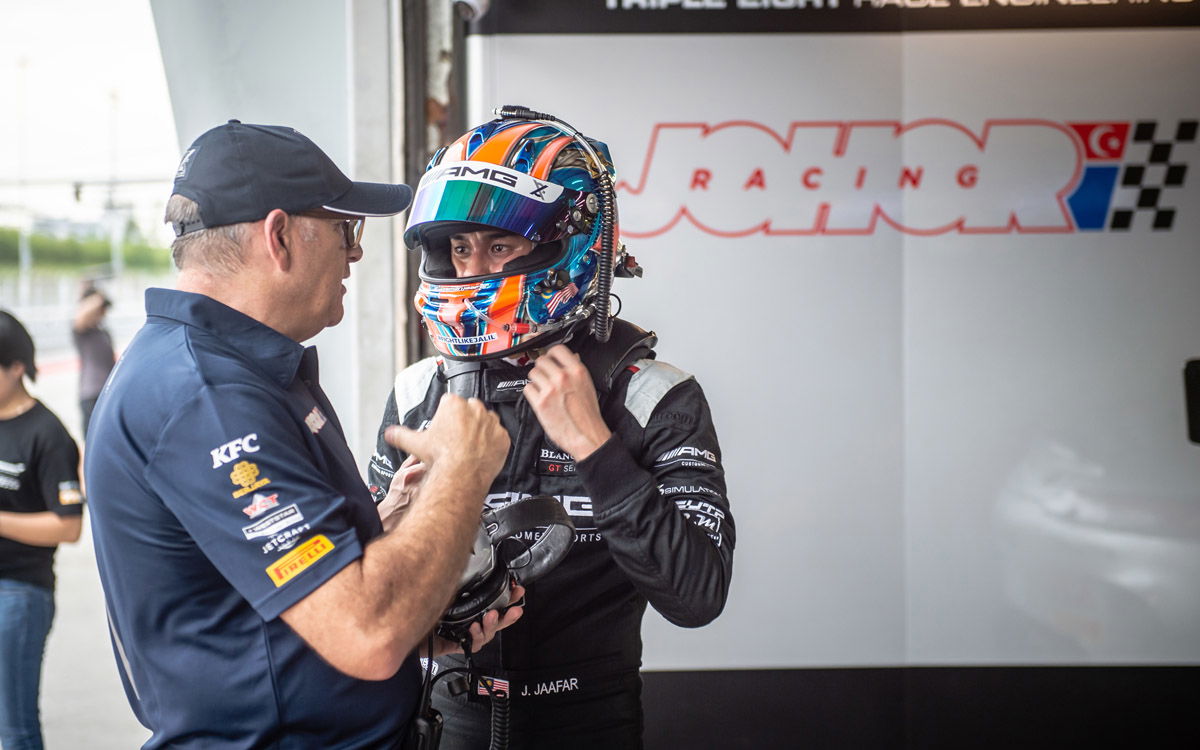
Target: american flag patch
(561, 296)
(499, 686)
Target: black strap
(463, 378)
(627, 344)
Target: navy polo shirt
(222, 492)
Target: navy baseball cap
(238, 172)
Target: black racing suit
(652, 524)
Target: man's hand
(401, 492)
(377, 610)
(483, 632)
(464, 438)
(561, 393)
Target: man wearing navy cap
(253, 597)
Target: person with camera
(516, 225)
(254, 599)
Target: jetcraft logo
(926, 177)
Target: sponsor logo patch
(688, 456)
(233, 449)
(690, 489)
(705, 515)
(261, 504)
(285, 539)
(552, 463)
(245, 474)
(185, 164)
(298, 560)
(69, 494)
(382, 466)
(274, 523)
(315, 420)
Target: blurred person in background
(94, 345)
(41, 506)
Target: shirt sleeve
(58, 471)
(660, 501)
(251, 487)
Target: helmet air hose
(602, 323)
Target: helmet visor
(492, 195)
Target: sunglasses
(352, 228)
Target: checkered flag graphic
(1153, 167)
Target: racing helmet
(533, 175)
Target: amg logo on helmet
(493, 174)
(487, 173)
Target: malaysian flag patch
(499, 686)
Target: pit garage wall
(330, 70)
(937, 271)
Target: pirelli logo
(293, 563)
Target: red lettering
(809, 178)
(700, 179)
(968, 176)
(912, 176)
(861, 179)
(756, 180)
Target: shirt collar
(275, 354)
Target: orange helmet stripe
(507, 299)
(497, 148)
(545, 160)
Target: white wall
(942, 446)
(324, 68)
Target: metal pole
(25, 267)
(116, 229)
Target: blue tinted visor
(494, 196)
